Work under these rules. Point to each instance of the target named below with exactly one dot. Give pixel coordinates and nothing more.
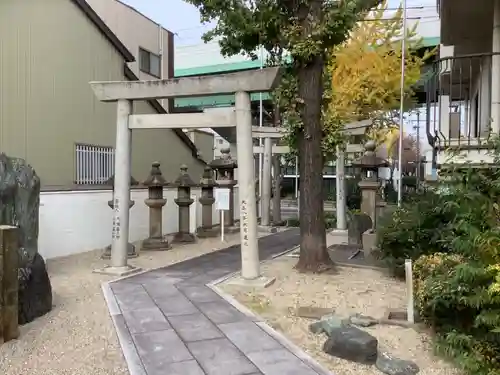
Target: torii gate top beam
(248, 81)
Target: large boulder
(19, 206)
(352, 344)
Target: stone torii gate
(268, 134)
(242, 84)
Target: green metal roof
(227, 100)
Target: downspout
(160, 49)
(495, 70)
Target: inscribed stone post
(131, 251)
(9, 263)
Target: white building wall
(74, 222)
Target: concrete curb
(132, 359)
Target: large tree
(306, 30)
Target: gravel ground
(78, 336)
(349, 291)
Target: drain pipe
(495, 69)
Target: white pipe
(401, 108)
(410, 312)
(121, 193)
(250, 265)
(495, 69)
(261, 123)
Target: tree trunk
(313, 253)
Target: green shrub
(461, 301)
(453, 234)
(416, 228)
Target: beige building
(49, 52)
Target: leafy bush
(416, 228)
(461, 301)
(453, 233)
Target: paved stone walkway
(169, 322)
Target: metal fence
(94, 164)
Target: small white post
(122, 187)
(250, 264)
(410, 312)
(222, 225)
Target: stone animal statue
(19, 206)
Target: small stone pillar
(131, 253)
(370, 183)
(9, 284)
(224, 168)
(155, 201)
(184, 184)
(207, 184)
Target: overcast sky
(183, 19)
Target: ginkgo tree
(306, 30)
(366, 77)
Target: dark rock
(352, 344)
(327, 324)
(393, 366)
(358, 223)
(362, 320)
(19, 203)
(19, 206)
(35, 291)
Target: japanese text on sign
(222, 196)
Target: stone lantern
(207, 184)
(131, 253)
(224, 177)
(370, 184)
(155, 201)
(184, 183)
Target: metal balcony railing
(458, 91)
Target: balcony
(458, 91)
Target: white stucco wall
(78, 221)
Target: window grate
(94, 164)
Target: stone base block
(207, 232)
(118, 271)
(131, 253)
(337, 237)
(35, 291)
(259, 282)
(267, 229)
(369, 240)
(155, 244)
(181, 237)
